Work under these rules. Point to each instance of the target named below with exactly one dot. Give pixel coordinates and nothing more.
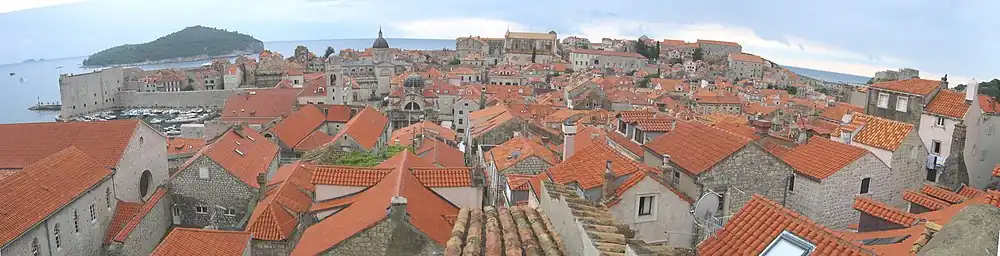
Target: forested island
(189, 44)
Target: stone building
(584, 59)
(708, 102)
(937, 123)
(258, 107)
(136, 151)
(706, 161)
(643, 126)
(505, 75)
(902, 100)
(372, 75)
(829, 175)
(520, 155)
(521, 48)
(745, 66)
(895, 143)
(136, 228)
(90, 92)
(367, 131)
(220, 184)
(281, 216)
(308, 128)
(390, 209)
(718, 49)
(190, 241)
(179, 150)
(470, 46)
(73, 221)
(272, 69)
(981, 150)
(413, 103)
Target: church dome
(414, 80)
(380, 42)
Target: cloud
(19, 5)
(451, 28)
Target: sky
(849, 36)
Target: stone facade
(530, 165)
(151, 229)
(388, 237)
(221, 189)
(268, 248)
(87, 239)
(89, 92)
(955, 171)
(830, 201)
(499, 134)
(146, 151)
(670, 212)
(751, 170)
(184, 99)
(908, 170)
(914, 108)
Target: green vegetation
(873, 80)
(454, 61)
(650, 52)
(331, 156)
(329, 51)
(188, 88)
(991, 88)
(190, 42)
(698, 54)
(644, 82)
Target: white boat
(156, 121)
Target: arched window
(412, 106)
(34, 246)
(55, 233)
(143, 184)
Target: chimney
(955, 171)
(262, 182)
(761, 128)
(608, 189)
(944, 82)
(847, 118)
(971, 91)
(569, 133)
(397, 209)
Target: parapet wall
(190, 99)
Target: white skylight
(788, 244)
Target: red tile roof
(969, 191)
(444, 177)
(338, 113)
(518, 182)
(365, 128)
(761, 220)
(296, 127)
(837, 112)
(879, 132)
(702, 41)
(275, 217)
(348, 175)
(883, 211)
(406, 134)
(179, 146)
(143, 211)
(821, 157)
(916, 86)
(123, 213)
(587, 166)
(608, 53)
(240, 151)
(745, 57)
(52, 183)
(988, 104)
(696, 147)
(104, 141)
(943, 194)
(948, 103)
(503, 154)
(924, 200)
(426, 211)
(484, 120)
(315, 140)
(190, 241)
(259, 106)
(439, 153)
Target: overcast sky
(849, 36)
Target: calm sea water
(41, 79)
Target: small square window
(939, 122)
(229, 212)
(865, 184)
(203, 172)
(883, 100)
(901, 103)
(201, 209)
(646, 205)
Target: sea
(22, 85)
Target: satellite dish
(707, 205)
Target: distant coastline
(174, 60)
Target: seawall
(189, 99)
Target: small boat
(12, 74)
(156, 121)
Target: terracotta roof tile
(948, 103)
(836, 113)
(4, 173)
(996, 170)
(178, 146)
(425, 128)
(503, 154)
(104, 141)
(821, 157)
(143, 211)
(124, 211)
(296, 127)
(587, 167)
(439, 153)
(988, 104)
(484, 120)
(240, 151)
(315, 140)
(426, 210)
(190, 241)
(275, 217)
(444, 177)
(366, 127)
(511, 229)
(943, 194)
(69, 171)
(620, 140)
(608, 53)
(348, 176)
(259, 106)
(761, 220)
(338, 113)
(916, 86)
(970, 192)
(518, 182)
(926, 201)
(696, 147)
(634, 179)
(745, 57)
(879, 132)
(883, 211)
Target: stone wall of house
(914, 107)
(189, 99)
(83, 238)
(221, 189)
(530, 165)
(751, 170)
(268, 248)
(146, 151)
(150, 231)
(500, 134)
(908, 170)
(830, 202)
(373, 241)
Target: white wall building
(586, 59)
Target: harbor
(167, 121)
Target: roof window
(788, 244)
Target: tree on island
(329, 51)
(697, 55)
(197, 41)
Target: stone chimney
(569, 135)
(397, 209)
(608, 189)
(955, 172)
(971, 91)
(262, 182)
(482, 98)
(944, 82)
(761, 127)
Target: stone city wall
(207, 98)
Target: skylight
(788, 244)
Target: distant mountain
(829, 76)
(191, 43)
